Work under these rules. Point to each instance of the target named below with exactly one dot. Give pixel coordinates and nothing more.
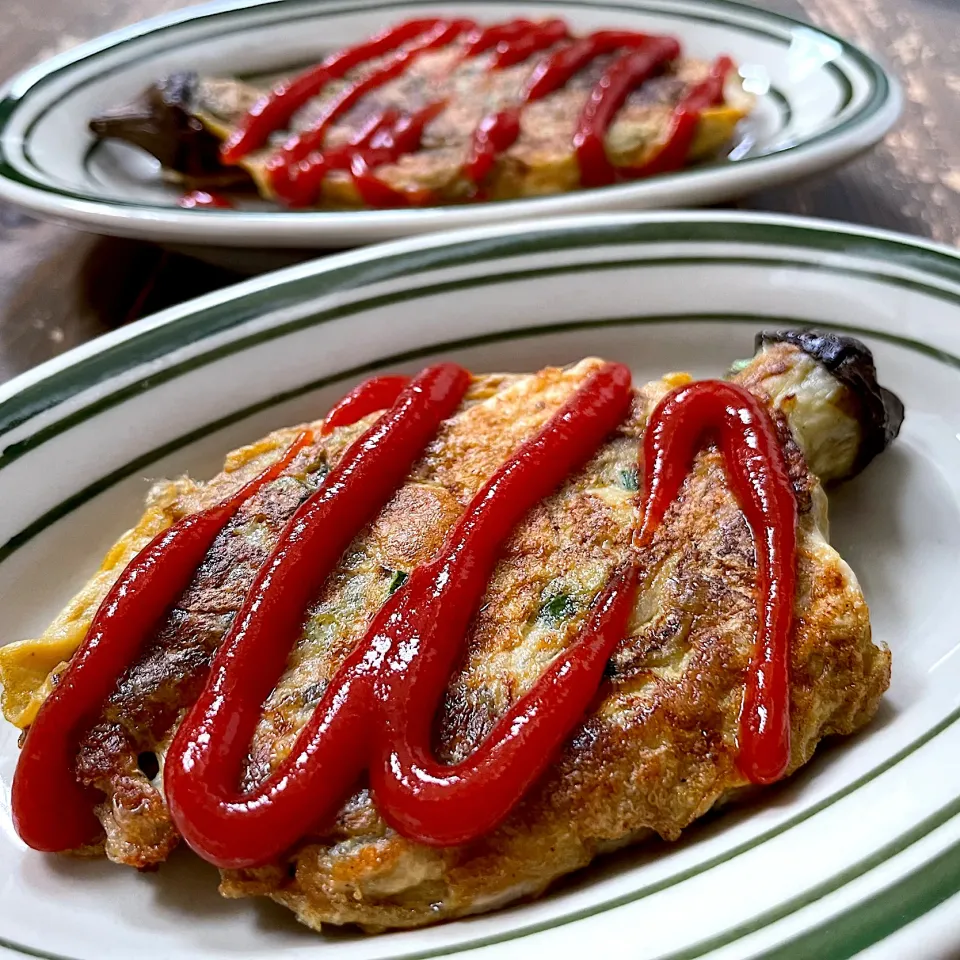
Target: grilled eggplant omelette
(189, 122)
(658, 746)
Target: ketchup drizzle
(535, 38)
(303, 144)
(378, 710)
(556, 71)
(377, 393)
(760, 479)
(683, 124)
(497, 132)
(297, 170)
(203, 763)
(51, 809)
(493, 36)
(275, 111)
(623, 75)
(391, 137)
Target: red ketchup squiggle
(301, 145)
(377, 393)
(297, 171)
(405, 137)
(497, 132)
(275, 111)
(557, 70)
(378, 708)
(390, 137)
(684, 121)
(496, 34)
(623, 75)
(538, 37)
(203, 764)
(760, 479)
(51, 810)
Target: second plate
(819, 101)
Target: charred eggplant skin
(161, 121)
(850, 361)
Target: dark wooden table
(59, 288)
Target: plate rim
(432, 250)
(831, 235)
(864, 127)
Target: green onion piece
(556, 609)
(399, 579)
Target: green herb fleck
(738, 366)
(399, 579)
(556, 609)
(629, 480)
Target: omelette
(657, 746)
(187, 120)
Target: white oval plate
(853, 850)
(820, 101)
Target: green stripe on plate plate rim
(876, 76)
(15, 451)
(851, 919)
(283, 292)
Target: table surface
(59, 288)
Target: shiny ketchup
(368, 397)
(51, 810)
(377, 712)
(299, 167)
(758, 475)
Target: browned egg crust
(658, 747)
